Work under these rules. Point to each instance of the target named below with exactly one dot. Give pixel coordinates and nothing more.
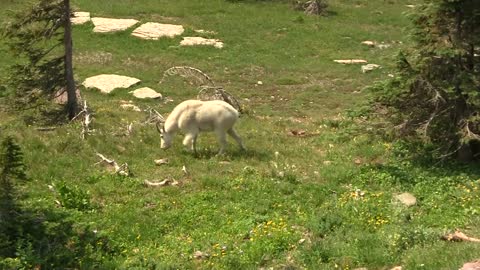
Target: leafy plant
(72, 197)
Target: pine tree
(437, 95)
(42, 36)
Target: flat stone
(154, 31)
(146, 92)
(383, 46)
(406, 199)
(194, 41)
(106, 83)
(368, 43)
(105, 25)
(369, 67)
(475, 265)
(80, 18)
(129, 106)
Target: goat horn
(159, 126)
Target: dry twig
(87, 120)
(218, 93)
(188, 72)
(118, 169)
(166, 182)
(458, 236)
(154, 117)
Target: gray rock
(475, 265)
(406, 199)
(106, 83)
(80, 17)
(154, 31)
(146, 92)
(369, 67)
(104, 25)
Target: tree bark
(71, 89)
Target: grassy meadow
(320, 201)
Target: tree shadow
(415, 157)
(46, 116)
(50, 238)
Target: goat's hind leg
(237, 138)
(222, 140)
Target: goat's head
(165, 137)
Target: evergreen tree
(42, 36)
(437, 93)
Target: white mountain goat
(193, 116)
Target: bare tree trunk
(71, 89)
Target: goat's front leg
(190, 140)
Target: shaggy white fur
(194, 116)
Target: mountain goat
(193, 116)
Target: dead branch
(188, 73)
(315, 7)
(154, 117)
(166, 182)
(87, 120)
(469, 134)
(218, 93)
(46, 128)
(118, 169)
(129, 130)
(442, 157)
(459, 236)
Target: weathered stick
(119, 169)
(166, 182)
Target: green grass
(299, 208)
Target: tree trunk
(71, 89)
